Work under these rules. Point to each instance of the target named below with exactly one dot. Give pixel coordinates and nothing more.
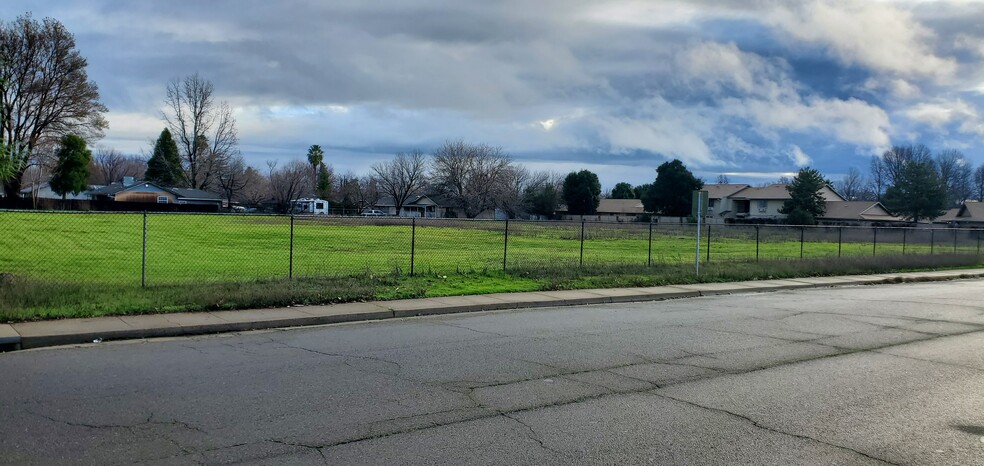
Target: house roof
(858, 210)
(949, 215)
(621, 207)
(973, 210)
(389, 201)
(721, 191)
(779, 192)
(775, 191)
(181, 193)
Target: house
(611, 210)
(719, 202)
(415, 206)
(146, 192)
(857, 212)
(969, 214)
(764, 202)
(44, 191)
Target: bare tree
(234, 178)
(520, 181)
(722, 179)
(369, 192)
(204, 130)
(111, 165)
(895, 160)
(956, 173)
(346, 192)
(289, 182)
(853, 185)
(257, 188)
(979, 183)
(878, 182)
(402, 177)
(472, 176)
(45, 93)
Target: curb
(76, 331)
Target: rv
(307, 206)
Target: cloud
(798, 157)
(879, 35)
(939, 113)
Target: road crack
(772, 429)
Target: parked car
(373, 213)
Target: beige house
(719, 202)
(765, 202)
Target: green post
(756, 243)
(143, 261)
(708, 242)
(581, 260)
(290, 261)
(649, 261)
(505, 245)
(802, 230)
(413, 242)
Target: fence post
(756, 243)
(932, 241)
(708, 243)
(413, 242)
(954, 240)
(290, 267)
(802, 230)
(143, 259)
(649, 260)
(840, 240)
(581, 263)
(505, 245)
(905, 233)
(874, 241)
(978, 242)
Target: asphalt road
(859, 375)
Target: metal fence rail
(171, 248)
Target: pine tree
(164, 166)
(805, 204)
(71, 174)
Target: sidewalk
(74, 331)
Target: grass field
(184, 248)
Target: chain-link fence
(172, 248)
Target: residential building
(857, 212)
(610, 210)
(764, 202)
(146, 192)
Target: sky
(753, 89)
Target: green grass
(108, 248)
(87, 264)
(24, 299)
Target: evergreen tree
(325, 181)
(671, 193)
(623, 191)
(805, 204)
(582, 192)
(918, 193)
(164, 166)
(71, 173)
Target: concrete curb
(75, 331)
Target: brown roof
(775, 191)
(621, 207)
(858, 210)
(779, 192)
(721, 191)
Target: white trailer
(309, 206)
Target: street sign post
(698, 208)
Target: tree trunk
(12, 187)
